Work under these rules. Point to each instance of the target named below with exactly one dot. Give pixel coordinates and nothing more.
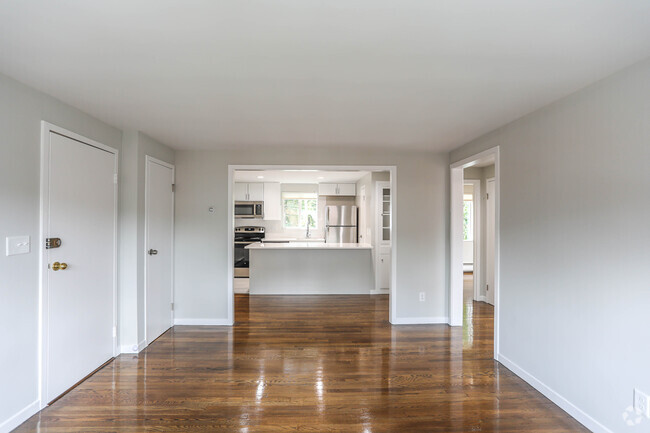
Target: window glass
(297, 209)
(468, 220)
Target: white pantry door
(159, 228)
(80, 211)
(489, 248)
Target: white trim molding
(202, 322)
(581, 416)
(20, 417)
(380, 292)
(420, 321)
(134, 348)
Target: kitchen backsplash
(276, 226)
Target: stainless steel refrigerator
(341, 224)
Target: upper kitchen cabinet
(347, 189)
(272, 201)
(248, 191)
(337, 189)
(256, 192)
(240, 191)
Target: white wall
(21, 111)
(574, 297)
(135, 147)
(202, 238)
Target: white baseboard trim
(380, 292)
(564, 404)
(20, 417)
(419, 320)
(203, 322)
(132, 348)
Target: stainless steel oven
(249, 209)
(245, 236)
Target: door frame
(487, 228)
(476, 266)
(43, 307)
(150, 159)
(456, 238)
(392, 169)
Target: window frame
(303, 197)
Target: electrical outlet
(421, 296)
(641, 403)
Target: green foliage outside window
(468, 220)
(297, 211)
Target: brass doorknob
(56, 266)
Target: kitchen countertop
(307, 246)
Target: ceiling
(299, 176)
(406, 74)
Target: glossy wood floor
(310, 364)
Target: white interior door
(159, 221)
(489, 238)
(79, 297)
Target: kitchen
(307, 231)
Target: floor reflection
(310, 363)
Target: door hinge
(114, 331)
(487, 287)
(115, 178)
(487, 196)
(173, 187)
(172, 306)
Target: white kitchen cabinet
(347, 189)
(272, 201)
(256, 192)
(240, 191)
(382, 243)
(383, 271)
(327, 189)
(337, 189)
(248, 191)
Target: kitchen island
(310, 268)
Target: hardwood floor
(310, 364)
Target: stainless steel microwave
(249, 209)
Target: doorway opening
(474, 238)
(337, 211)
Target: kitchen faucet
(310, 221)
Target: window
(297, 207)
(468, 220)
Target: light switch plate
(18, 245)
